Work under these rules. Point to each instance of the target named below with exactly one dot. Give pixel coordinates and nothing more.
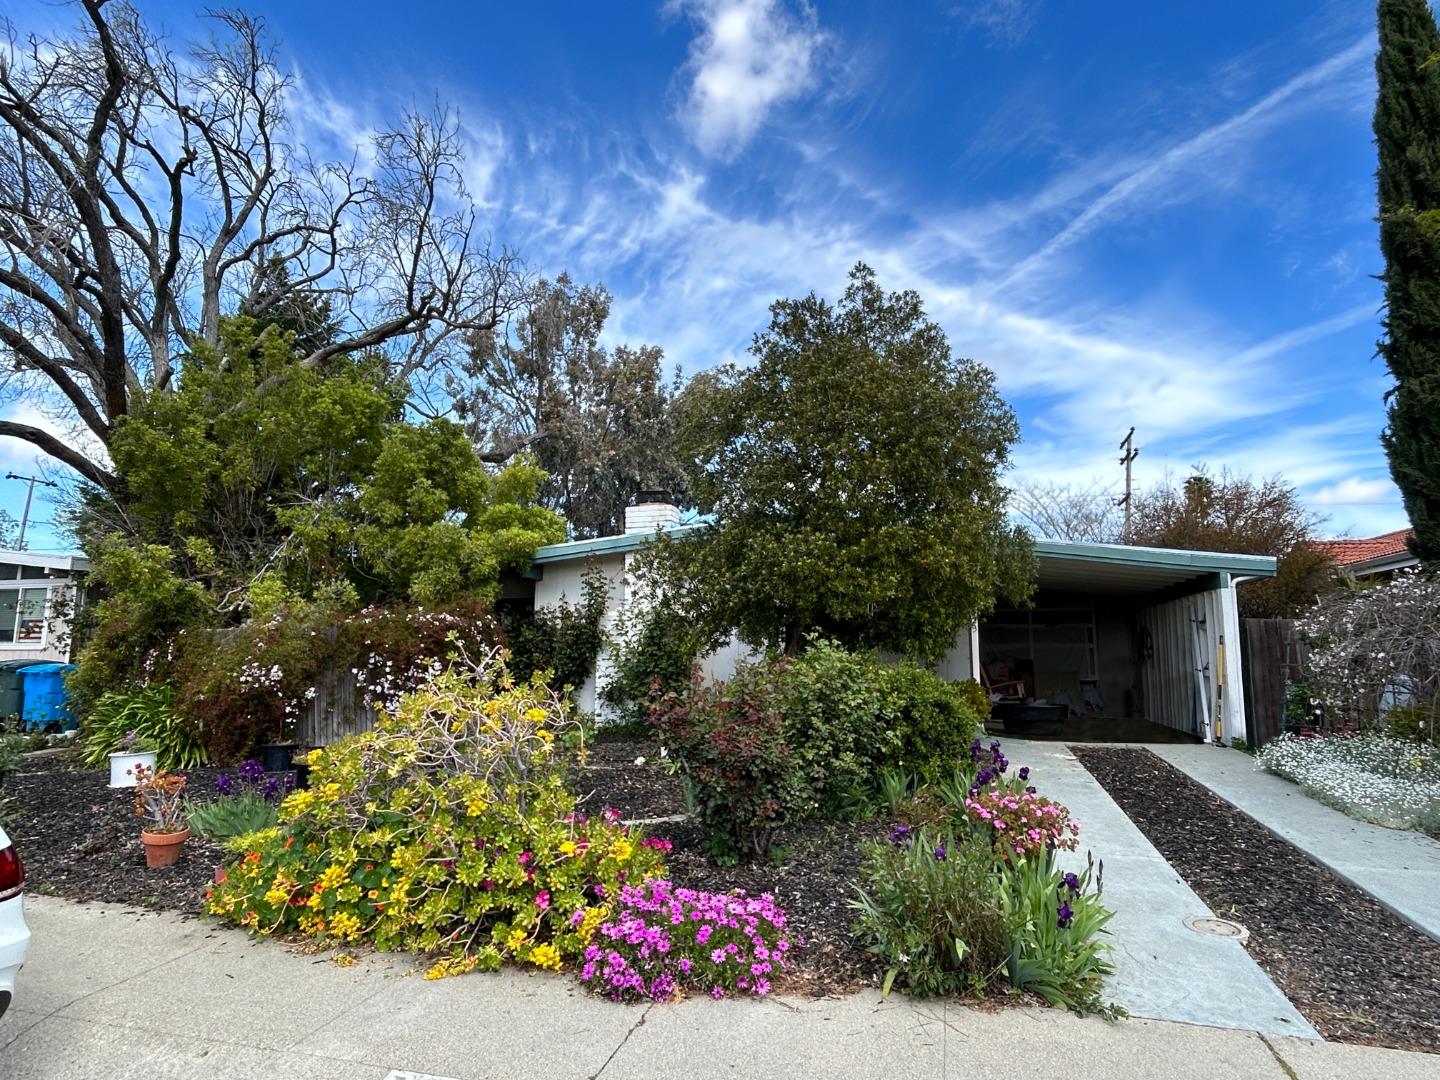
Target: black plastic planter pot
(277, 757)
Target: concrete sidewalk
(1400, 869)
(1163, 969)
(109, 993)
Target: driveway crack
(634, 1028)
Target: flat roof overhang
(1120, 569)
(1065, 565)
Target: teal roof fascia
(1111, 554)
(605, 545)
(1158, 558)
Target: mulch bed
(812, 875)
(1356, 971)
(80, 839)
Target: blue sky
(1157, 215)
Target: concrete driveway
(1400, 869)
(111, 993)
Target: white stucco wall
(564, 581)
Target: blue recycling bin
(45, 699)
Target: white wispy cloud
(749, 57)
(1358, 491)
(1204, 149)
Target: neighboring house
(39, 597)
(1119, 634)
(1375, 556)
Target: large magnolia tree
(146, 191)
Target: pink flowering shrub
(1022, 823)
(660, 940)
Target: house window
(22, 616)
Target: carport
(1132, 642)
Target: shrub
(1375, 648)
(1377, 778)
(660, 940)
(251, 684)
(729, 739)
(975, 698)
(930, 909)
(930, 721)
(446, 830)
(564, 641)
(145, 716)
(1053, 926)
(1021, 823)
(834, 705)
(655, 655)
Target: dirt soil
(812, 875)
(80, 839)
(1357, 972)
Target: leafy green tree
(1407, 133)
(257, 483)
(599, 421)
(1239, 515)
(852, 475)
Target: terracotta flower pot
(163, 849)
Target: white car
(14, 934)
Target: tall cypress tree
(1407, 132)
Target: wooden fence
(337, 709)
(1272, 657)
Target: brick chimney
(651, 510)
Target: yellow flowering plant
(447, 830)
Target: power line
(1128, 454)
(29, 494)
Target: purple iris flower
(899, 835)
(1072, 882)
(1024, 772)
(940, 852)
(1063, 916)
(223, 784)
(251, 771)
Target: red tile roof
(1349, 552)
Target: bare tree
(146, 192)
(1068, 512)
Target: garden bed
(812, 876)
(1356, 971)
(80, 838)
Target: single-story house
(1133, 641)
(39, 597)
(1371, 556)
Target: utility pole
(29, 494)
(1128, 453)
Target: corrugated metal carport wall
(1190, 664)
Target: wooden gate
(1272, 657)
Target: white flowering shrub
(1388, 781)
(1375, 650)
